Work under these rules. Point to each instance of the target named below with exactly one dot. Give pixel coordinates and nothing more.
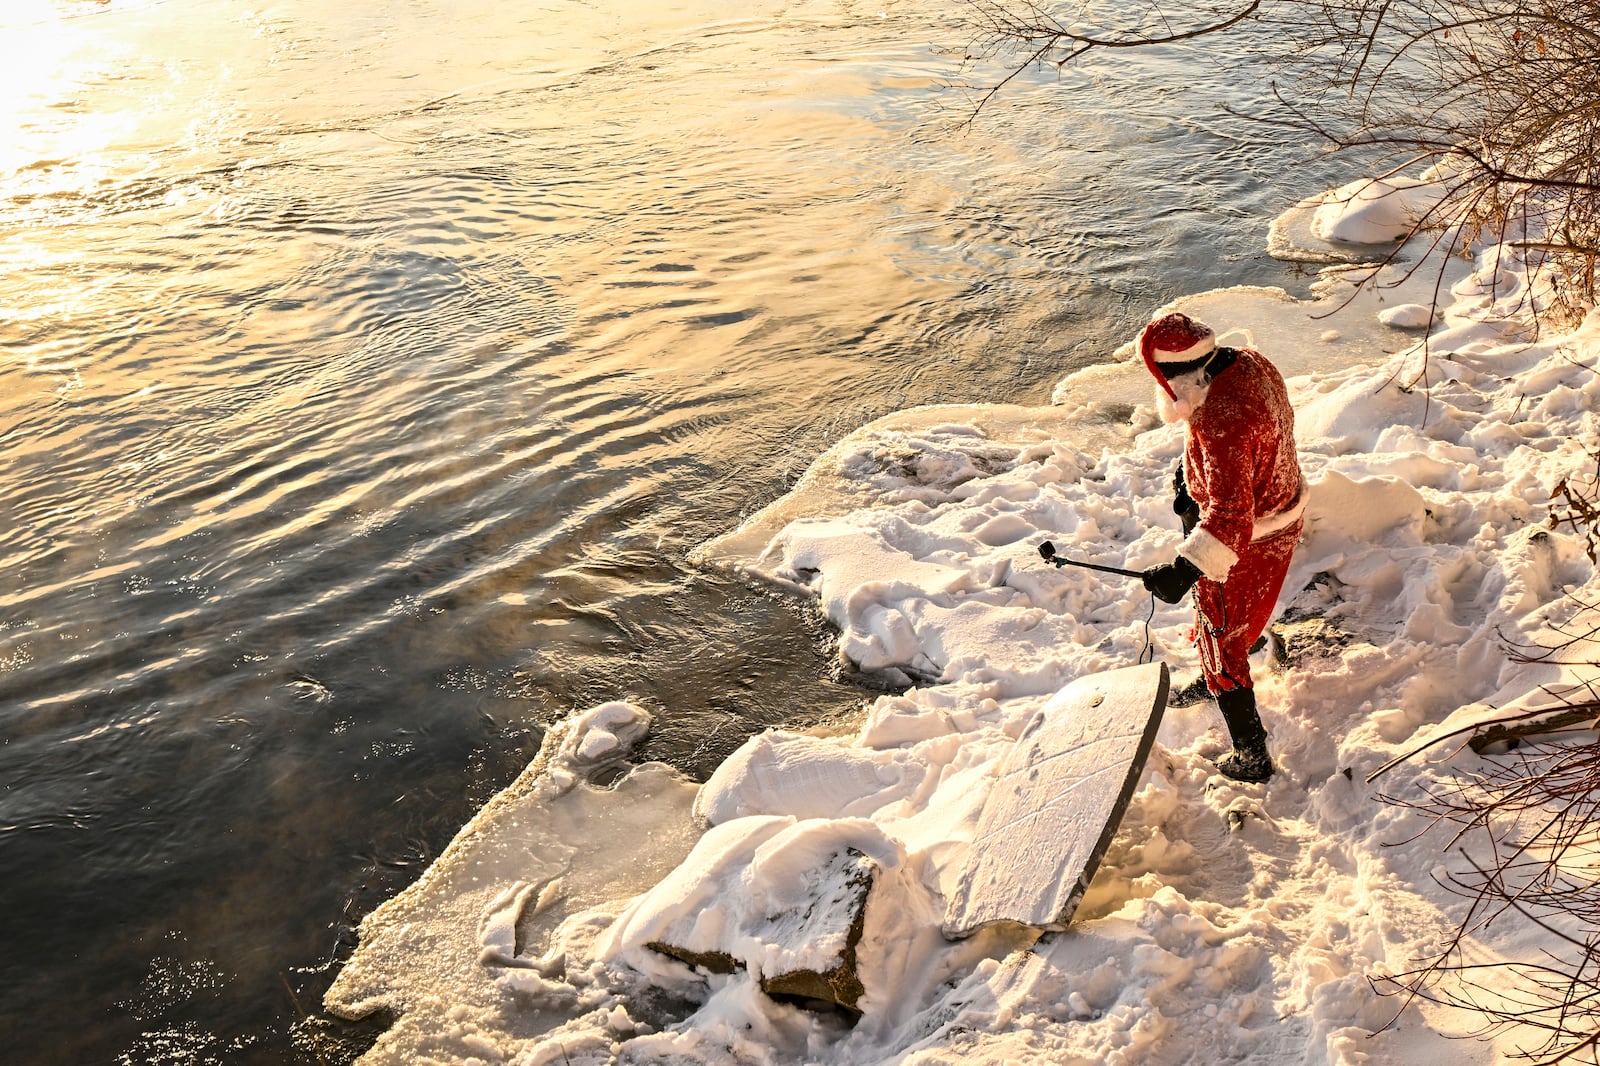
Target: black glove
(1183, 504)
(1171, 581)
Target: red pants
(1233, 613)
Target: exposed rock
(1306, 631)
(834, 911)
(1308, 638)
(709, 961)
(845, 885)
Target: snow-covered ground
(1227, 923)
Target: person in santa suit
(1241, 500)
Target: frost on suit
(1240, 465)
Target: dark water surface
(368, 370)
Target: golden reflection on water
(57, 88)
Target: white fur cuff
(1213, 557)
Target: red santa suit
(1240, 467)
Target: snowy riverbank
(1227, 923)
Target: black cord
(1148, 655)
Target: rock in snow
(831, 910)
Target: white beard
(1190, 390)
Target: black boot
(1248, 761)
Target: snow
(1227, 923)
(1375, 210)
(1349, 223)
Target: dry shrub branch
(1525, 822)
(1527, 825)
(1577, 506)
(1501, 98)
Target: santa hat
(1175, 344)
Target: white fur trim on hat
(1204, 346)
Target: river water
(368, 371)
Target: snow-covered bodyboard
(1059, 799)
